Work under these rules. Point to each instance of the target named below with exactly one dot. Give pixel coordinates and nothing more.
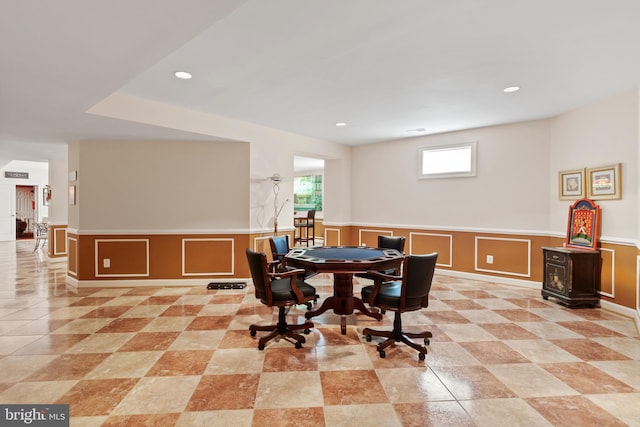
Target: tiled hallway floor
(500, 356)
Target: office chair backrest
(391, 242)
(259, 268)
(419, 270)
(280, 245)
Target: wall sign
(18, 175)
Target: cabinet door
(556, 278)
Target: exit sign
(19, 175)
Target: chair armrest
(273, 266)
(293, 274)
(378, 279)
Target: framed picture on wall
(571, 184)
(604, 182)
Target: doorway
(26, 211)
(21, 198)
(308, 195)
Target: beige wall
(73, 164)
(58, 180)
(160, 186)
(271, 152)
(599, 134)
(510, 191)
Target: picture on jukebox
(582, 229)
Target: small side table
(572, 276)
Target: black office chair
(387, 242)
(279, 248)
(282, 290)
(307, 224)
(409, 292)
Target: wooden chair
(307, 224)
(409, 292)
(282, 290)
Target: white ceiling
(383, 67)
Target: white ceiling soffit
(303, 164)
(60, 58)
(388, 69)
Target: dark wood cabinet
(572, 276)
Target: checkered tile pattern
(183, 356)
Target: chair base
(283, 330)
(398, 335)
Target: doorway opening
(308, 196)
(26, 211)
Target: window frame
(443, 147)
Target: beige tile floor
(500, 356)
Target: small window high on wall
(448, 161)
(307, 193)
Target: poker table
(343, 262)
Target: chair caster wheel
(260, 346)
(253, 333)
(382, 354)
(421, 356)
(427, 341)
(368, 338)
(308, 306)
(298, 344)
(307, 331)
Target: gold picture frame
(571, 185)
(604, 183)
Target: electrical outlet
(489, 259)
(106, 263)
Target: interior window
(448, 161)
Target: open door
(7, 212)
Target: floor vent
(226, 285)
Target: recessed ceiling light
(511, 89)
(417, 130)
(341, 124)
(182, 75)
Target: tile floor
(500, 356)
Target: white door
(7, 212)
